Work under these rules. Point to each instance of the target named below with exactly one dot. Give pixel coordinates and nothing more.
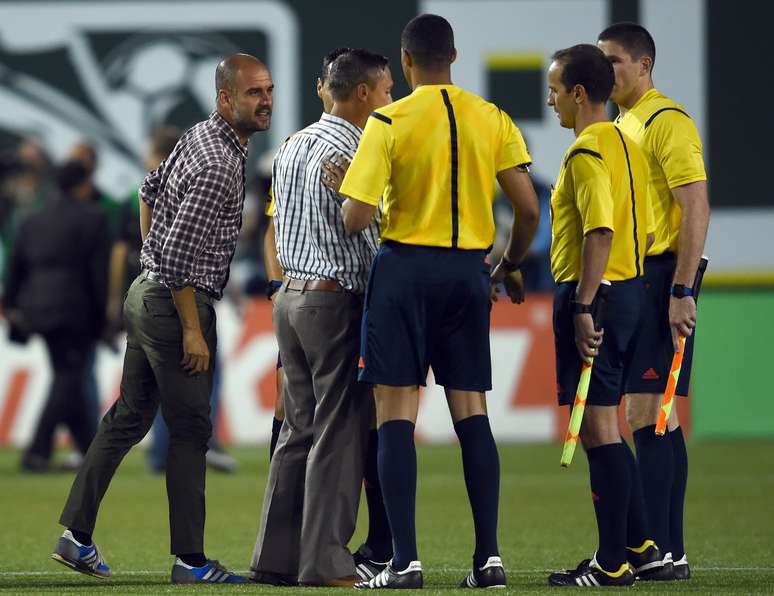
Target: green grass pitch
(546, 523)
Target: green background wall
(732, 392)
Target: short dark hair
(634, 38)
(585, 64)
(429, 39)
(352, 68)
(329, 59)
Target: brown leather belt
(319, 285)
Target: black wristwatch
(272, 286)
(578, 308)
(681, 291)
(508, 266)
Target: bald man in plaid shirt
(190, 215)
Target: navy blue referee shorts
(653, 352)
(427, 307)
(621, 316)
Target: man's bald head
(228, 69)
(244, 94)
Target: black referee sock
(398, 476)
(379, 536)
(276, 426)
(193, 559)
(637, 531)
(610, 476)
(83, 538)
(656, 462)
(677, 496)
(481, 465)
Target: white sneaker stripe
(594, 580)
(208, 574)
(579, 581)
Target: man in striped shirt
(317, 319)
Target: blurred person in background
(85, 153)
(26, 182)
(536, 267)
(57, 286)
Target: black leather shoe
(408, 579)
(651, 564)
(590, 575)
(491, 575)
(272, 579)
(681, 569)
(366, 566)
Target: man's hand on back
(511, 280)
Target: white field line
(139, 573)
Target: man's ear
(405, 58)
(224, 100)
(362, 91)
(578, 93)
(453, 55)
(646, 65)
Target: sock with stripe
(276, 426)
(677, 496)
(610, 488)
(193, 559)
(84, 538)
(397, 459)
(656, 463)
(637, 519)
(379, 537)
(481, 465)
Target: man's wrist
(580, 308)
(272, 287)
(508, 266)
(681, 291)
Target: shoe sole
(75, 565)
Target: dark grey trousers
(313, 490)
(152, 375)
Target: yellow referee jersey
(269, 210)
(672, 146)
(603, 183)
(433, 156)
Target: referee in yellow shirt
(600, 230)
(432, 159)
(671, 144)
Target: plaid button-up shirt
(197, 195)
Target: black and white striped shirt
(311, 240)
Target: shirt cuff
(145, 199)
(677, 182)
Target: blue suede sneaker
(86, 559)
(211, 573)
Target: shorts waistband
(662, 258)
